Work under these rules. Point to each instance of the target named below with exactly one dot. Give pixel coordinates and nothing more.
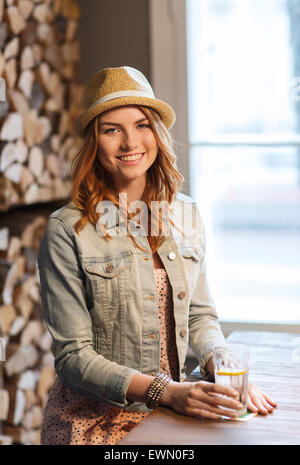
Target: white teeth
(131, 158)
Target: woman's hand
(258, 401)
(201, 400)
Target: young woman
(124, 286)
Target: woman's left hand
(259, 402)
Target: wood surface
(275, 368)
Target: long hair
(92, 183)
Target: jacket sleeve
(68, 320)
(204, 329)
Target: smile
(130, 159)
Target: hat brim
(166, 112)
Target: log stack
(39, 59)
(28, 372)
(40, 97)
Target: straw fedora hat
(114, 87)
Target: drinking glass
(231, 369)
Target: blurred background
(244, 120)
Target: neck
(133, 189)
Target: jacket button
(172, 256)
(181, 295)
(183, 332)
(110, 268)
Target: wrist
(138, 388)
(168, 394)
(156, 390)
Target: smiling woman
(127, 148)
(122, 310)
(100, 171)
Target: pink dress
(73, 418)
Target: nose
(129, 141)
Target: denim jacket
(100, 301)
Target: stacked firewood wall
(40, 97)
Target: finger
(251, 406)
(266, 404)
(271, 402)
(215, 400)
(203, 406)
(216, 413)
(223, 411)
(219, 389)
(255, 390)
(227, 412)
(258, 404)
(259, 399)
(206, 414)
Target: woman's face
(126, 144)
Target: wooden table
(274, 367)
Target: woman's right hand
(201, 400)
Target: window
(244, 115)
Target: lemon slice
(231, 373)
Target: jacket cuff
(203, 361)
(117, 386)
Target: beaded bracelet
(157, 389)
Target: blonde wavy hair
(92, 183)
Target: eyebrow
(120, 125)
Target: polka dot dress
(168, 349)
(71, 418)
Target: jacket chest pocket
(192, 257)
(109, 278)
(192, 254)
